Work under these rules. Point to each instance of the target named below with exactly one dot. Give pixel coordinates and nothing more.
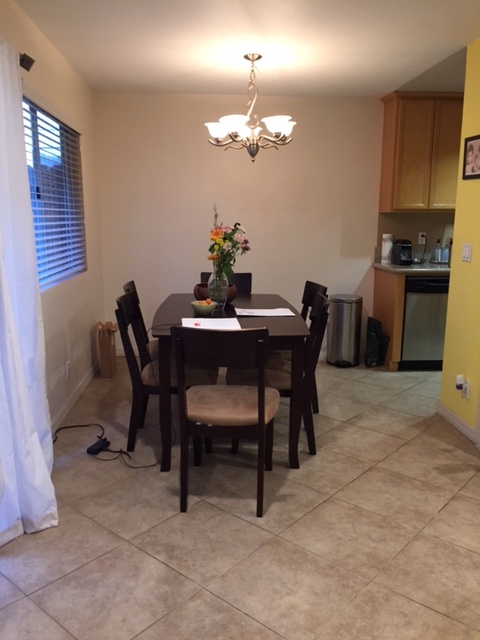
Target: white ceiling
(309, 47)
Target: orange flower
(216, 234)
(226, 243)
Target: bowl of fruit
(204, 308)
(200, 292)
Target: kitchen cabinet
(388, 307)
(420, 153)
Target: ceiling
(309, 47)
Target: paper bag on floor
(106, 348)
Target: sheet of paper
(220, 324)
(264, 312)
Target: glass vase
(218, 288)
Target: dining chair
(152, 345)
(144, 374)
(220, 410)
(278, 371)
(243, 281)
(309, 292)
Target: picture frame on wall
(471, 158)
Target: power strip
(102, 444)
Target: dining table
(286, 332)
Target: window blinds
(54, 170)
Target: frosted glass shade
(216, 130)
(235, 123)
(279, 124)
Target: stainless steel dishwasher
(424, 322)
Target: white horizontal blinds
(54, 169)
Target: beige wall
(151, 179)
(310, 209)
(70, 309)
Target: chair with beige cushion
(144, 374)
(152, 345)
(223, 411)
(278, 371)
(309, 292)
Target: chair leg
(234, 447)
(269, 446)
(309, 427)
(314, 398)
(137, 419)
(260, 473)
(197, 451)
(183, 472)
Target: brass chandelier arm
(220, 143)
(263, 141)
(275, 141)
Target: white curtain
(27, 496)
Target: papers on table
(264, 312)
(220, 324)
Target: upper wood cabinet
(421, 146)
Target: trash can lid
(349, 298)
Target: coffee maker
(402, 253)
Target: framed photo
(471, 158)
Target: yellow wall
(462, 343)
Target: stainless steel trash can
(343, 332)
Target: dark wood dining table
(285, 332)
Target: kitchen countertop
(427, 269)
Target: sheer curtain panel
(27, 496)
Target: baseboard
(454, 420)
(57, 421)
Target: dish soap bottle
(445, 252)
(438, 251)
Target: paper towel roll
(387, 244)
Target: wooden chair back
(243, 281)
(309, 292)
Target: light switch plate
(467, 252)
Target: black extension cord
(102, 444)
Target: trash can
(343, 333)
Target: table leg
(165, 409)
(296, 402)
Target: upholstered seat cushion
(152, 347)
(194, 376)
(277, 374)
(229, 406)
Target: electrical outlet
(422, 237)
(467, 252)
(67, 369)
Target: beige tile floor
(375, 537)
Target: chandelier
(239, 131)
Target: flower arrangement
(227, 243)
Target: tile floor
(375, 537)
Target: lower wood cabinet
(388, 307)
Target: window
(54, 171)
